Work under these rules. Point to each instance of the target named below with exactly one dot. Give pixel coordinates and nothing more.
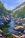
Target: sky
(11, 4)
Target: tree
(1, 8)
(20, 13)
(4, 12)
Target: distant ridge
(19, 7)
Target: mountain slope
(20, 11)
(19, 7)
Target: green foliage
(20, 13)
(1, 5)
(4, 12)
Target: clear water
(12, 25)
